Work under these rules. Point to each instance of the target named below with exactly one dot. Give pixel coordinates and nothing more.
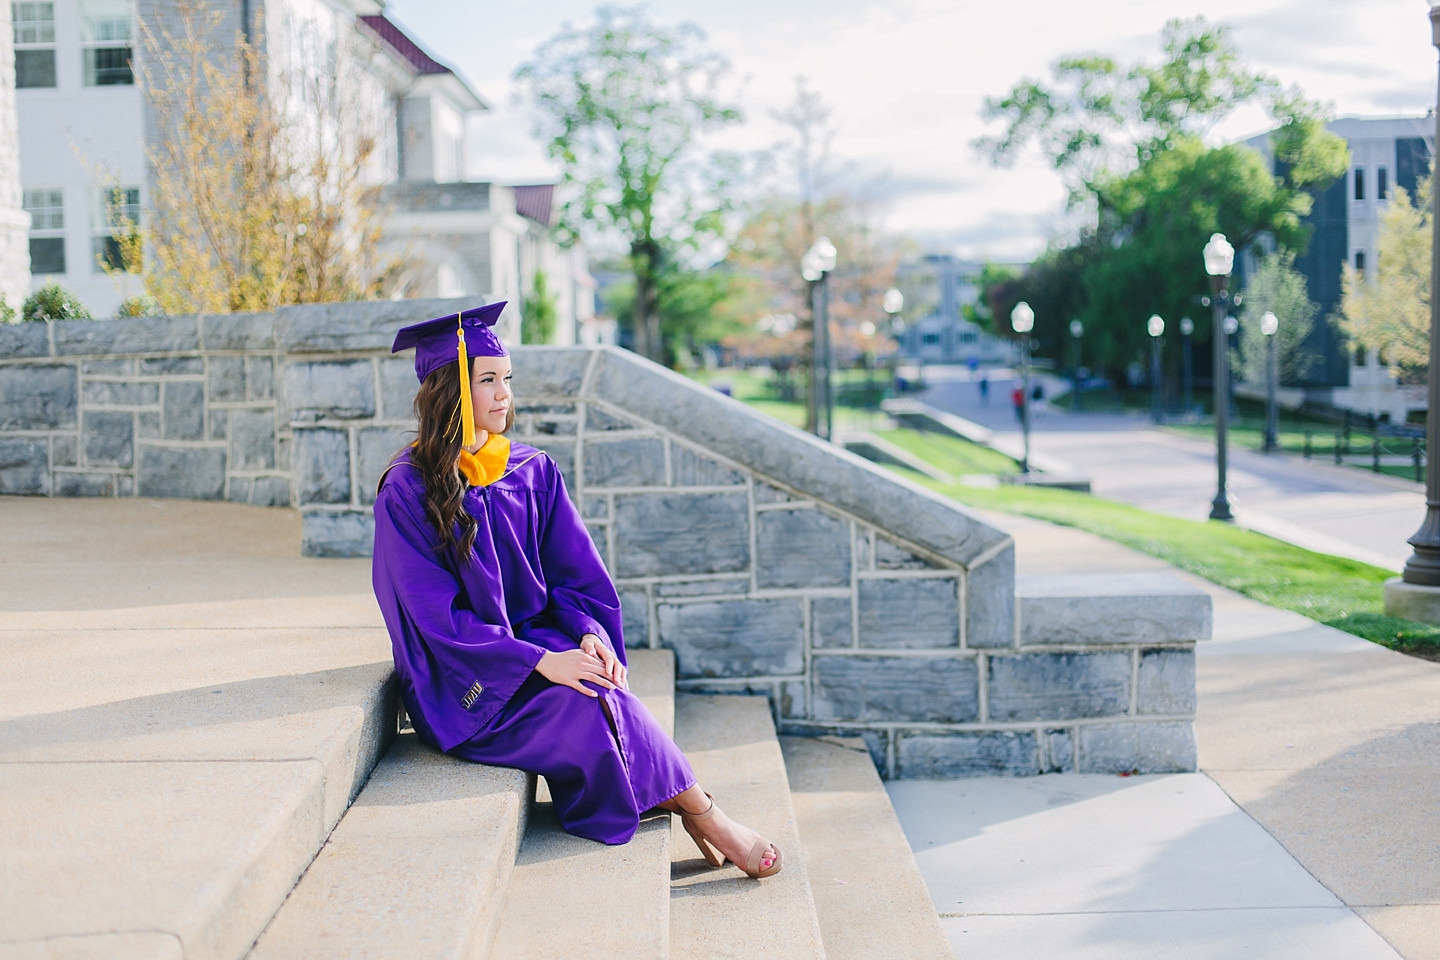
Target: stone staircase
(438, 858)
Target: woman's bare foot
(733, 840)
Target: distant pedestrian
(984, 391)
(1017, 397)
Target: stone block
(271, 492)
(790, 699)
(1097, 608)
(1059, 686)
(677, 533)
(184, 410)
(1061, 747)
(109, 439)
(764, 493)
(598, 419)
(595, 508)
(24, 340)
(330, 390)
(172, 367)
(564, 456)
(85, 485)
(282, 452)
(549, 371)
(226, 376)
(1413, 601)
(375, 448)
(547, 425)
(38, 396)
(252, 439)
(238, 331)
(363, 325)
(876, 741)
(990, 602)
(220, 424)
(1166, 683)
(638, 462)
(891, 689)
(690, 469)
(601, 539)
(702, 588)
(65, 450)
(398, 387)
(1138, 748)
(24, 467)
(830, 624)
(109, 367)
(892, 556)
(147, 425)
(949, 756)
(260, 378)
(801, 548)
(186, 473)
(322, 466)
(113, 393)
(909, 614)
(734, 638)
(864, 547)
(348, 533)
(128, 335)
(239, 490)
(635, 611)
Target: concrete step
(869, 896)
(537, 922)
(416, 870)
(722, 913)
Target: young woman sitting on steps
(505, 626)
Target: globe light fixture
(1155, 326)
(1269, 324)
(1219, 256)
(1077, 329)
(1022, 320)
(1187, 326)
(893, 302)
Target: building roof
(537, 202)
(408, 49)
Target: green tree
(537, 322)
(1278, 288)
(696, 308)
(1389, 310)
(7, 312)
(995, 281)
(624, 103)
(54, 302)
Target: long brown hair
(437, 447)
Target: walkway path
(1339, 510)
(1326, 743)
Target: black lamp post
(815, 267)
(1269, 326)
(1423, 567)
(1187, 327)
(1022, 319)
(1219, 261)
(1077, 330)
(1155, 327)
(892, 303)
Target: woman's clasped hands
(594, 662)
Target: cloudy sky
(907, 78)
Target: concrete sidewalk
(1311, 832)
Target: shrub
(54, 302)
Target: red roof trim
(408, 49)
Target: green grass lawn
(951, 454)
(1249, 434)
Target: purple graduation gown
(467, 637)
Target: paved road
(1338, 510)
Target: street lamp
(1187, 327)
(815, 268)
(1155, 327)
(1077, 330)
(1219, 261)
(1269, 325)
(1022, 319)
(892, 303)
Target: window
(1382, 183)
(105, 42)
(1359, 183)
(115, 215)
(931, 339)
(47, 226)
(1359, 261)
(34, 44)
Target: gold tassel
(467, 409)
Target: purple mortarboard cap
(436, 344)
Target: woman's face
(490, 392)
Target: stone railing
(769, 561)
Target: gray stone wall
(770, 562)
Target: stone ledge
(1110, 608)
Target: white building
(83, 127)
(937, 289)
(14, 221)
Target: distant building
(1345, 221)
(937, 289)
(14, 221)
(79, 107)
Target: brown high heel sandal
(692, 821)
